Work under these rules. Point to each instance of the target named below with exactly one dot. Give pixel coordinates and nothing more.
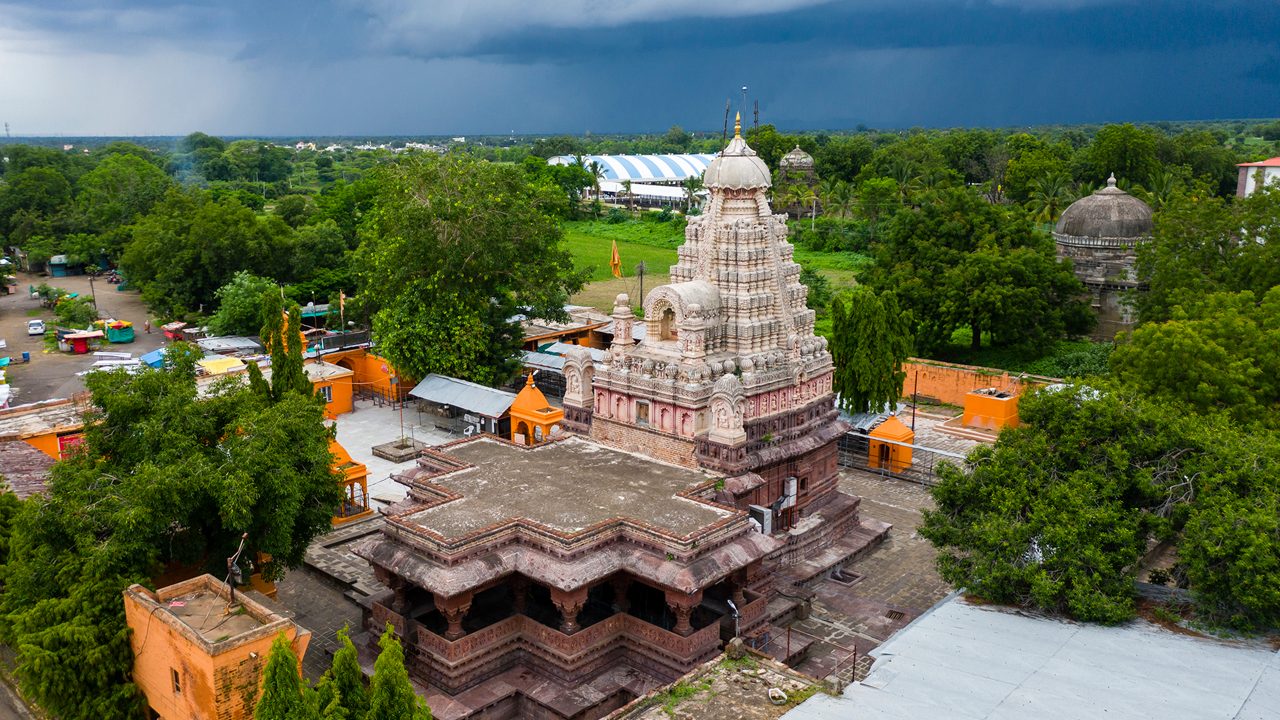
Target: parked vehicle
(35, 327)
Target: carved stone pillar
(569, 603)
(400, 596)
(738, 583)
(682, 606)
(621, 584)
(454, 609)
(519, 594)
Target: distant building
(796, 168)
(1257, 174)
(200, 653)
(1100, 234)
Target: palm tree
(692, 185)
(1049, 195)
(837, 198)
(806, 198)
(903, 172)
(626, 188)
(1161, 187)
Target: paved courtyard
(890, 587)
(371, 425)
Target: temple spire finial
(1111, 181)
(737, 125)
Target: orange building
(990, 409)
(355, 481)
(198, 652)
(532, 417)
(890, 446)
(53, 427)
(371, 374)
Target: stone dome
(737, 167)
(797, 159)
(1109, 214)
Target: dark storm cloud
(409, 66)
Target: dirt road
(53, 374)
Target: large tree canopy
(1059, 512)
(167, 479)
(453, 251)
(1205, 244)
(960, 261)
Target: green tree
(453, 251)
(691, 186)
(167, 478)
(871, 337)
(41, 191)
(1215, 353)
(189, 246)
(960, 261)
(1126, 150)
(348, 679)
(240, 304)
(1058, 512)
(121, 189)
(1049, 196)
(818, 298)
(391, 695)
(75, 312)
(281, 333)
(282, 695)
(295, 210)
(1203, 245)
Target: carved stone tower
(729, 375)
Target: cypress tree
(281, 697)
(347, 679)
(871, 337)
(391, 696)
(284, 342)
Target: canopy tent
(220, 365)
(652, 168)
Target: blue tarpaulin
(155, 358)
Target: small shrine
(532, 417)
(890, 446)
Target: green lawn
(594, 252)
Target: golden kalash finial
(737, 125)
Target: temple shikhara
(689, 488)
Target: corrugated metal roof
(1269, 162)
(981, 662)
(468, 396)
(560, 348)
(543, 361)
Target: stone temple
(692, 494)
(1100, 234)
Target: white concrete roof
(972, 662)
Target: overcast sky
(365, 67)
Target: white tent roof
(654, 168)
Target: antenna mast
(724, 136)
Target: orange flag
(615, 263)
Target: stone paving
(319, 606)
(369, 425)
(891, 586)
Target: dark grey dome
(1108, 214)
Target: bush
(616, 216)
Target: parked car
(35, 327)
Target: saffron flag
(615, 263)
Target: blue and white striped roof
(653, 168)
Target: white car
(35, 327)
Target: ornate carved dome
(737, 167)
(797, 159)
(1109, 214)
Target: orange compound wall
(949, 383)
